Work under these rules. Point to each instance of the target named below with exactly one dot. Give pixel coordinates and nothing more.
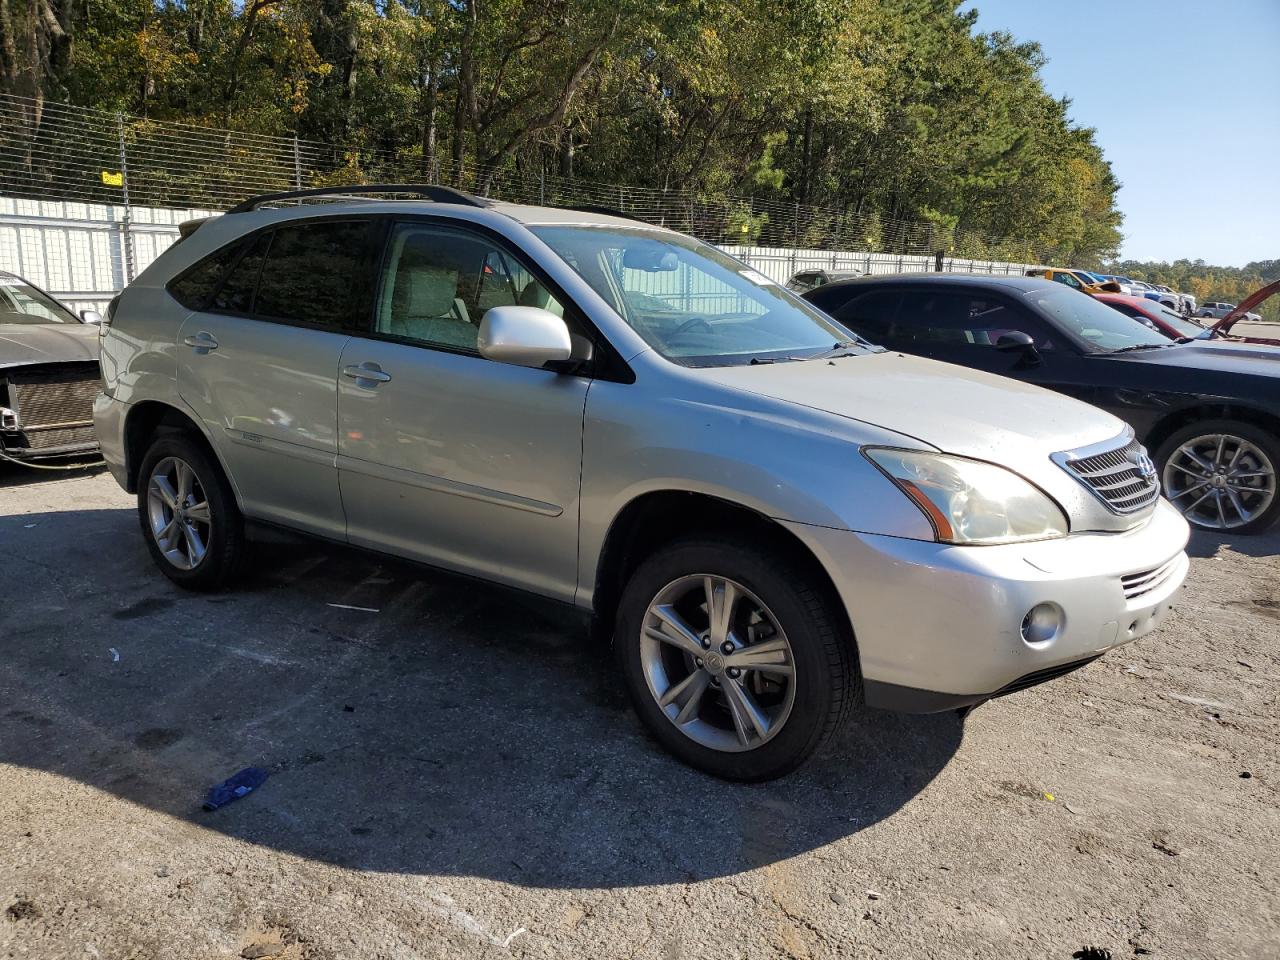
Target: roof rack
(433, 193)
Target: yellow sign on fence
(112, 179)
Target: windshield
(693, 304)
(1185, 327)
(1094, 322)
(22, 303)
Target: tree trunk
(430, 109)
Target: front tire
(1222, 475)
(735, 658)
(188, 513)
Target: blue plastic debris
(235, 787)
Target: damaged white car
(48, 374)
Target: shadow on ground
(1207, 545)
(460, 729)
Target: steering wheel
(690, 323)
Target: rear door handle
(367, 374)
(202, 342)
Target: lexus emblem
(1146, 466)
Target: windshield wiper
(1143, 346)
(843, 349)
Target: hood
(23, 344)
(953, 408)
(1232, 357)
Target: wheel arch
(1224, 410)
(657, 517)
(147, 418)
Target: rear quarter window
(195, 286)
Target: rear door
(259, 365)
(445, 456)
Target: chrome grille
(55, 408)
(1137, 584)
(1123, 477)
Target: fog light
(1042, 623)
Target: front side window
(1068, 280)
(965, 321)
(312, 272)
(691, 303)
(439, 282)
(22, 303)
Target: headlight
(969, 501)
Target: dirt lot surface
(457, 775)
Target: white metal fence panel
(85, 253)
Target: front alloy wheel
(717, 663)
(179, 513)
(736, 653)
(1220, 481)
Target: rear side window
(312, 273)
(236, 293)
(195, 286)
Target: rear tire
(1222, 475)
(188, 514)
(796, 676)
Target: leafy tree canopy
(893, 110)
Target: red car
(1174, 325)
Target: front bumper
(940, 626)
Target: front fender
(781, 461)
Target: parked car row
(1095, 283)
(776, 510)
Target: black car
(1210, 411)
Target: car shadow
(412, 721)
(1207, 545)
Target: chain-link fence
(55, 151)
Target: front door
(965, 327)
(259, 365)
(445, 456)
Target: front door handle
(202, 342)
(367, 374)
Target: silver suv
(773, 521)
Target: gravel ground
(457, 775)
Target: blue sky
(1185, 98)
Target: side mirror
(91, 316)
(1018, 341)
(524, 337)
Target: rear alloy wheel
(736, 656)
(188, 514)
(1222, 475)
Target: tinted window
(236, 293)
(439, 283)
(965, 320)
(871, 315)
(194, 288)
(312, 272)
